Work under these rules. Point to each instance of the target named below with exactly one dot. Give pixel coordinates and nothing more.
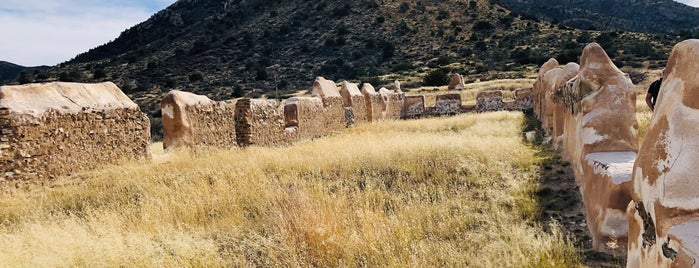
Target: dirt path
(560, 201)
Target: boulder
(55, 129)
(664, 214)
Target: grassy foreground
(442, 192)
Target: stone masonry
(191, 120)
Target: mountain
(226, 48)
(10, 71)
(653, 16)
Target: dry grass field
(439, 192)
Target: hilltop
(254, 48)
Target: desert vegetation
(447, 192)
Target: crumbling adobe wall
(393, 103)
(306, 117)
(540, 87)
(191, 120)
(262, 122)
(354, 99)
(523, 100)
(489, 101)
(414, 106)
(457, 82)
(600, 141)
(447, 104)
(374, 103)
(664, 213)
(56, 129)
(333, 103)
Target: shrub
(437, 77)
(196, 76)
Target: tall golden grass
(445, 192)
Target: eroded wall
(191, 120)
(56, 129)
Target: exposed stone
(334, 112)
(414, 106)
(447, 104)
(310, 117)
(263, 123)
(489, 101)
(33, 147)
(191, 120)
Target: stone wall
(488, 101)
(56, 129)
(191, 120)
(374, 103)
(447, 104)
(263, 122)
(333, 104)
(310, 117)
(393, 103)
(414, 106)
(354, 99)
(523, 99)
(664, 213)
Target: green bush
(439, 77)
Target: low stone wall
(447, 104)
(489, 101)
(414, 106)
(263, 122)
(333, 103)
(664, 213)
(523, 99)
(191, 120)
(56, 129)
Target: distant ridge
(650, 16)
(10, 71)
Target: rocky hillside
(226, 49)
(11, 72)
(658, 16)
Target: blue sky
(48, 32)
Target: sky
(48, 32)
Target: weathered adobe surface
(354, 99)
(191, 120)
(414, 106)
(457, 82)
(488, 101)
(56, 129)
(598, 137)
(334, 110)
(263, 122)
(374, 103)
(447, 104)
(393, 103)
(664, 214)
(540, 88)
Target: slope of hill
(10, 71)
(659, 16)
(226, 49)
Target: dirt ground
(560, 201)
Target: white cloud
(39, 32)
(694, 3)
